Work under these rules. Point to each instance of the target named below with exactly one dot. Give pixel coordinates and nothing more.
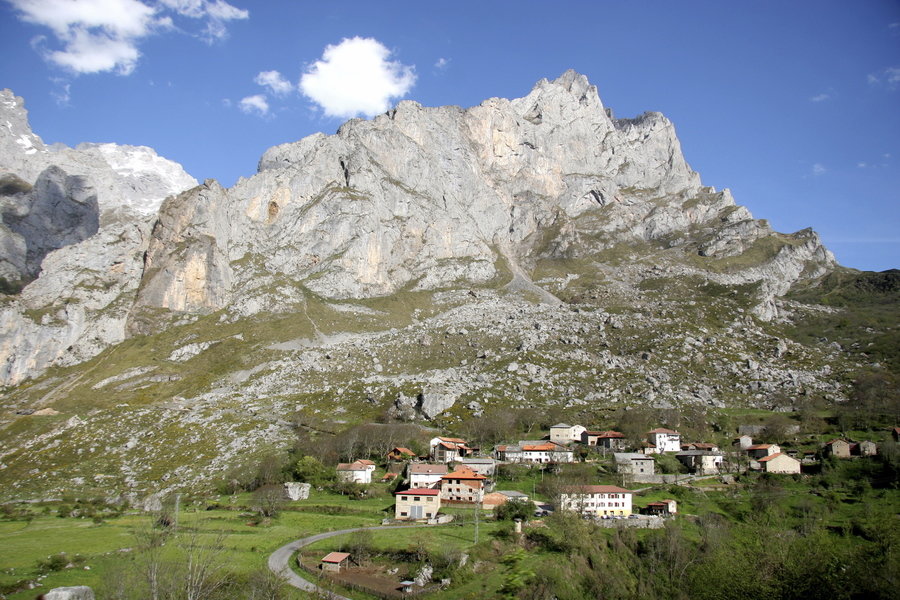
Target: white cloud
(355, 77)
(819, 169)
(275, 82)
(820, 98)
(862, 165)
(103, 35)
(442, 63)
(889, 76)
(254, 104)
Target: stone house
(534, 452)
(701, 462)
(425, 475)
(742, 442)
(866, 448)
(609, 440)
(839, 448)
(463, 485)
(482, 466)
(359, 471)
(562, 433)
(596, 500)
(400, 454)
(446, 449)
(334, 561)
(758, 451)
(665, 440)
(634, 463)
(779, 463)
(417, 504)
(699, 446)
(662, 508)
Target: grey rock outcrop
(79, 218)
(435, 197)
(78, 592)
(133, 178)
(294, 491)
(415, 199)
(58, 211)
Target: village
(392, 510)
(457, 479)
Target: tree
(513, 509)
(268, 500)
(360, 545)
(263, 584)
(310, 469)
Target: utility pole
(177, 506)
(477, 515)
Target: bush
(58, 562)
(513, 509)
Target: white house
(596, 500)
(562, 433)
(779, 463)
(447, 449)
(424, 475)
(535, 452)
(665, 440)
(359, 471)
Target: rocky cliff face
(434, 197)
(79, 218)
(426, 264)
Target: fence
(318, 577)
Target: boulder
(78, 592)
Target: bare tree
(268, 500)
(203, 566)
(151, 541)
(263, 584)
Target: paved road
(278, 560)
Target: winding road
(278, 560)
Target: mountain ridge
(426, 265)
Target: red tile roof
(463, 473)
(406, 451)
(354, 466)
(426, 469)
(759, 447)
(771, 456)
(335, 557)
(419, 492)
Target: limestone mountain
(428, 264)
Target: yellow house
(417, 504)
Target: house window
(416, 499)
(403, 514)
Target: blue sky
(795, 106)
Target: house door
(415, 512)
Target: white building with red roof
(359, 471)
(426, 475)
(463, 485)
(447, 449)
(779, 463)
(417, 504)
(596, 500)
